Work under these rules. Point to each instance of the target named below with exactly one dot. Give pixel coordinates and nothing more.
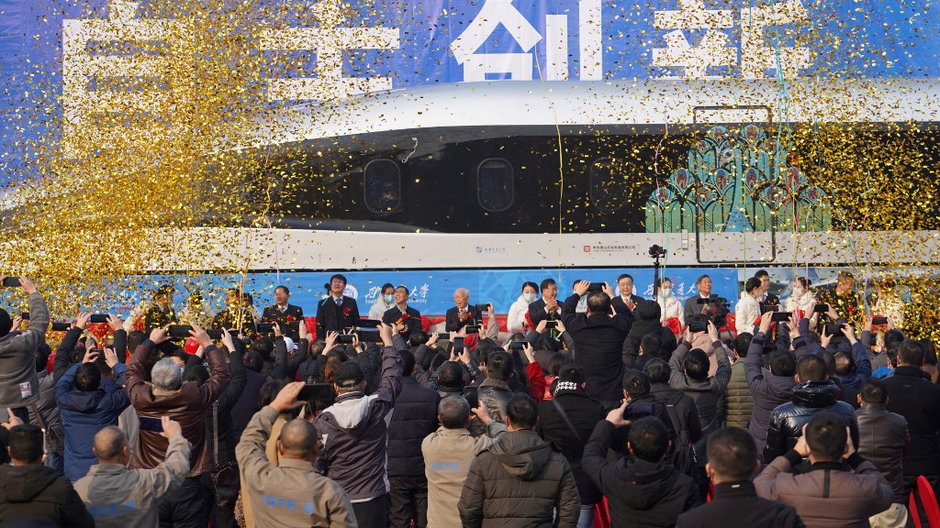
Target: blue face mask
(388, 298)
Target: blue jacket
(84, 414)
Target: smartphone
(24, 316)
(369, 323)
(369, 336)
(779, 317)
(180, 331)
(698, 326)
(154, 425)
(821, 308)
(316, 392)
(517, 345)
(473, 329)
(482, 308)
(345, 339)
(215, 333)
(98, 318)
(293, 326)
(11, 282)
(61, 327)
(458, 344)
(551, 324)
(834, 329)
(764, 308)
(596, 286)
(265, 328)
(443, 336)
(881, 320)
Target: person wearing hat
(354, 432)
(19, 383)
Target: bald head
(298, 439)
(110, 445)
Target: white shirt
(746, 312)
(670, 307)
(515, 321)
(805, 302)
(379, 307)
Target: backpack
(683, 454)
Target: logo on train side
(587, 249)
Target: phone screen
(154, 425)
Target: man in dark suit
(547, 306)
(406, 319)
(462, 313)
(626, 302)
(337, 312)
(714, 308)
(598, 339)
(283, 313)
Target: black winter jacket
(640, 493)
(519, 482)
(584, 413)
(769, 390)
(414, 417)
(808, 399)
(598, 342)
(737, 504)
(40, 493)
(918, 401)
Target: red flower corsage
(404, 317)
(290, 318)
(346, 311)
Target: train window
(381, 182)
(607, 191)
(495, 190)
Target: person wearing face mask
(802, 299)
(516, 319)
(384, 302)
(671, 310)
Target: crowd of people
(598, 409)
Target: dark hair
(88, 377)
(418, 338)
(911, 353)
(701, 278)
(25, 443)
(761, 274)
(811, 368)
(197, 373)
(752, 284)
(531, 284)
(522, 411)
(402, 286)
(571, 374)
(893, 338)
(453, 412)
(659, 283)
(843, 364)
(556, 363)
(253, 361)
(657, 370)
(741, 343)
(264, 346)
(598, 303)
(339, 276)
(43, 351)
(134, 339)
(874, 391)
(650, 343)
(282, 287)
(696, 364)
(826, 436)
(636, 383)
(269, 390)
(451, 377)
(804, 281)
(499, 366)
(546, 284)
(783, 363)
(930, 352)
(624, 276)
(649, 439)
(732, 453)
(407, 362)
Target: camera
(657, 251)
(481, 308)
(635, 411)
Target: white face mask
(389, 298)
(529, 297)
(798, 292)
(667, 293)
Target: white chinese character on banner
(83, 107)
(477, 65)
(756, 58)
(423, 290)
(519, 66)
(713, 49)
(330, 40)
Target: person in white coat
(747, 311)
(383, 303)
(516, 322)
(802, 299)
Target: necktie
(339, 302)
(282, 308)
